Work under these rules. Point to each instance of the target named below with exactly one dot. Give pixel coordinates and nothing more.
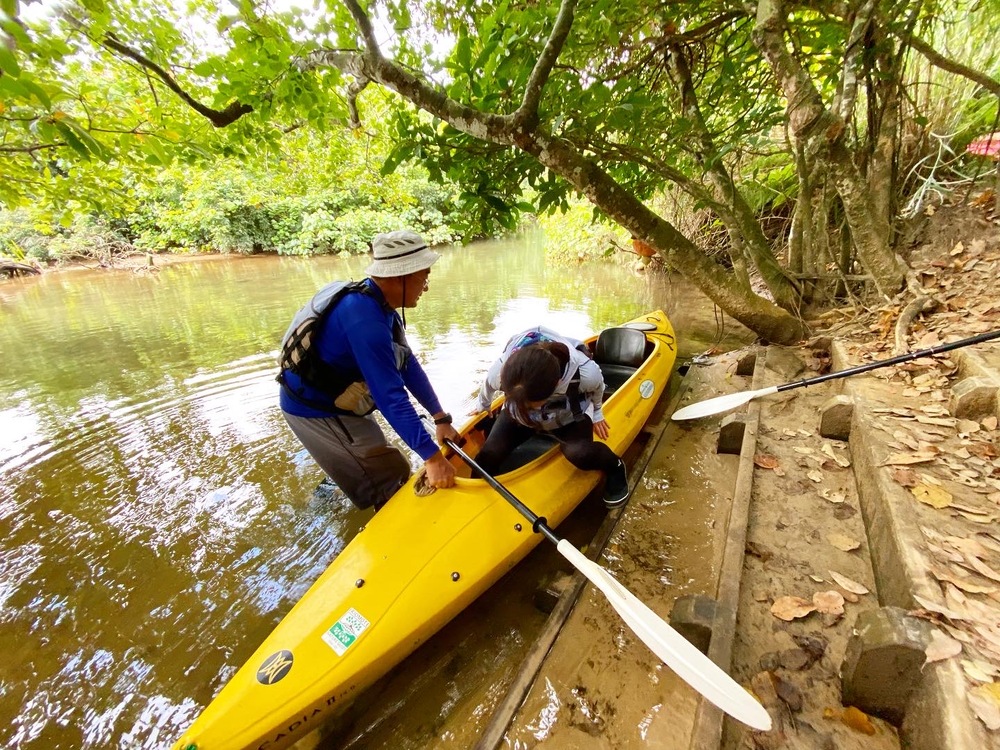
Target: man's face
(416, 284)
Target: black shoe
(616, 490)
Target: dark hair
(532, 374)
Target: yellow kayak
(419, 562)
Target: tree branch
(375, 68)
(29, 149)
(527, 113)
(219, 118)
(807, 115)
(946, 63)
(849, 75)
(364, 25)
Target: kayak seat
(527, 452)
(619, 352)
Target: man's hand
(602, 430)
(440, 473)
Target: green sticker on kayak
(345, 631)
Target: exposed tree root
(921, 301)
(14, 268)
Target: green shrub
(576, 235)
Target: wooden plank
(707, 731)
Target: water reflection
(157, 518)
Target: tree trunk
(756, 313)
(810, 121)
(742, 223)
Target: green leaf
(94, 146)
(463, 54)
(72, 139)
(37, 91)
(8, 63)
(497, 203)
(14, 87)
(16, 31)
(395, 158)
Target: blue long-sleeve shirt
(357, 340)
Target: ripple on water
(165, 488)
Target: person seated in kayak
(553, 387)
(345, 355)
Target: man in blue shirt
(358, 361)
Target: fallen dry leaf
(829, 602)
(834, 497)
(941, 647)
(847, 584)
(977, 517)
(765, 461)
(842, 541)
(968, 426)
(902, 459)
(790, 608)
(930, 606)
(788, 693)
(985, 702)
(936, 497)
(982, 568)
(963, 584)
(815, 475)
(905, 477)
(857, 719)
(978, 670)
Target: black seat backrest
(620, 346)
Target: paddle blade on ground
(719, 404)
(690, 664)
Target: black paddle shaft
(894, 361)
(538, 524)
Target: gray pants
(354, 454)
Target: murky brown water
(157, 519)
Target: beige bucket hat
(400, 253)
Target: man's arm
(370, 339)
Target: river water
(157, 518)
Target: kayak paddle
(720, 404)
(690, 664)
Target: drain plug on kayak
(455, 576)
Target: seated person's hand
(602, 430)
(440, 473)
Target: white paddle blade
(720, 404)
(690, 664)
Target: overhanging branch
(528, 111)
(218, 118)
(952, 66)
